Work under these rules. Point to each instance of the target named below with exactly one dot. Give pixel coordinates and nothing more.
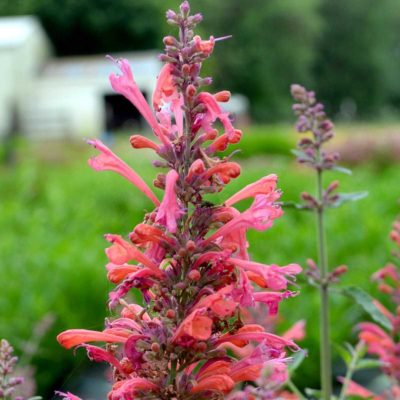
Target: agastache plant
(384, 343)
(317, 130)
(188, 258)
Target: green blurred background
(54, 210)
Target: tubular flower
(188, 258)
(384, 343)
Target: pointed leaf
(302, 155)
(298, 358)
(346, 197)
(368, 363)
(342, 169)
(344, 353)
(367, 303)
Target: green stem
(294, 389)
(351, 368)
(172, 372)
(326, 372)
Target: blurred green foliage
(54, 211)
(347, 50)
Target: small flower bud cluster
(312, 118)
(8, 383)
(189, 257)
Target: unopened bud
(201, 347)
(311, 264)
(385, 288)
(191, 91)
(182, 252)
(170, 314)
(155, 347)
(185, 8)
(223, 96)
(333, 186)
(169, 41)
(194, 275)
(190, 245)
(342, 269)
(180, 286)
(170, 14)
(186, 69)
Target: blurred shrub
(272, 46)
(358, 58)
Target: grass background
(54, 211)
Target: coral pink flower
(165, 89)
(197, 326)
(204, 46)
(68, 396)
(121, 252)
(108, 161)
(142, 142)
(296, 332)
(225, 170)
(356, 390)
(213, 112)
(265, 185)
(116, 273)
(259, 216)
(169, 210)
(268, 276)
(128, 388)
(220, 382)
(126, 85)
(74, 337)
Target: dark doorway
(120, 114)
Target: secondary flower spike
(188, 258)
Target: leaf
(346, 197)
(300, 154)
(342, 170)
(298, 358)
(314, 393)
(297, 206)
(367, 363)
(367, 303)
(344, 353)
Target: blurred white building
(43, 97)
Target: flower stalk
(189, 339)
(312, 119)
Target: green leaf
(297, 206)
(298, 358)
(302, 155)
(344, 353)
(346, 197)
(368, 363)
(366, 302)
(342, 169)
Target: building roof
(143, 63)
(14, 31)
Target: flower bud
(194, 275)
(223, 96)
(155, 347)
(185, 8)
(169, 41)
(190, 245)
(191, 91)
(170, 314)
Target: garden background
(54, 210)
